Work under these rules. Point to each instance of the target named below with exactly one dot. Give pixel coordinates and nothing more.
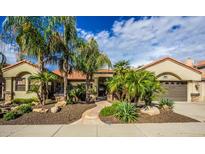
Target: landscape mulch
(163, 117)
(68, 114)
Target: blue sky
(143, 39)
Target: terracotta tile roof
(105, 70)
(173, 60)
(18, 63)
(75, 75)
(200, 63)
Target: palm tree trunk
(65, 80)
(87, 88)
(42, 85)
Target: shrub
(24, 108)
(166, 101)
(24, 100)
(11, 115)
(126, 112)
(109, 110)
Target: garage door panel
(176, 91)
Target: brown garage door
(176, 91)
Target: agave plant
(126, 112)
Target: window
(31, 83)
(20, 84)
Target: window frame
(17, 79)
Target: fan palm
(88, 60)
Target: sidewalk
(117, 130)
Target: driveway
(193, 110)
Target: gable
(16, 69)
(181, 70)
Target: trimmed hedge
(24, 100)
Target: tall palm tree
(2, 62)
(63, 43)
(88, 60)
(33, 35)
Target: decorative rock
(8, 103)
(60, 104)
(166, 107)
(150, 110)
(92, 98)
(40, 110)
(35, 103)
(55, 109)
(14, 108)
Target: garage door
(176, 91)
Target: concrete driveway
(193, 110)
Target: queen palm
(88, 60)
(33, 35)
(63, 44)
(121, 67)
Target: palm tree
(44, 77)
(33, 35)
(63, 44)
(121, 67)
(2, 62)
(88, 60)
(116, 86)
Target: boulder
(7, 103)
(35, 103)
(166, 108)
(60, 104)
(14, 108)
(40, 110)
(150, 110)
(92, 98)
(55, 109)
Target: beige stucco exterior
(171, 67)
(23, 70)
(166, 70)
(169, 70)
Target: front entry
(102, 89)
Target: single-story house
(182, 81)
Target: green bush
(11, 115)
(24, 100)
(24, 108)
(166, 101)
(109, 110)
(126, 112)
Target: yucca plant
(126, 112)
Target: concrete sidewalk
(116, 130)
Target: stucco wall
(12, 73)
(169, 66)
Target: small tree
(44, 77)
(152, 88)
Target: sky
(143, 39)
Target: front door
(102, 89)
